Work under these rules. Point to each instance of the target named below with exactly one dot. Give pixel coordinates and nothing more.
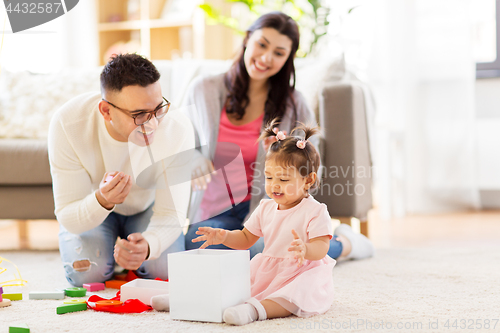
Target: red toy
(129, 306)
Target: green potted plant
(312, 17)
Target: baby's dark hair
(287, 153)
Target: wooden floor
(38, 235)
(445, 230)
(457, 229)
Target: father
(95, 175)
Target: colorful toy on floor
(13, 297)
(66, 308)
(115, 284)
(5, 302)
(120, 277)
(129, 276)
(107, 303)
(129, 306)
(143, 290)
(46, 295)
(96, 286)
(19, 328)
(75, 301)
(75, 292)
(17, 278)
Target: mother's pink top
(220, 194)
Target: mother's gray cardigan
(205, 99)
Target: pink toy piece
(109, 178)
(96, 286)
(1, 298)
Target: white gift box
(143, 290)
(203, 283)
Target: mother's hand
(202, 174)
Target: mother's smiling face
(266, 53)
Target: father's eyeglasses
(141, 117)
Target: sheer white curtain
(79, 36)
(422, 71)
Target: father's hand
(113, 189)
(130, 253)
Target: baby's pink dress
(274, 275)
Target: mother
(233, 108)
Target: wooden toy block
(75, 292)
(4, 303)
(46, 295)
(75, 301)
(19, 328)
(121, 277)
(96, 286)
(114, 284)
(13, 297)
(113, 303)
(66, 308)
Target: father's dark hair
(128, 70)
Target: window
(38, 50)
(487, 38)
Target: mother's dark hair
(282, 83)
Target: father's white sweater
(81, 151)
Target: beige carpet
(400, 290)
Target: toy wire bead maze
(18, 279)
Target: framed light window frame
(491, 69)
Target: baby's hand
(211, 236)
(298, 247)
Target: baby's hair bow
(301, 144)
(280, 135)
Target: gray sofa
(25, 181)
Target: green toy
(66, 308)
(75, 292)
(19, 328)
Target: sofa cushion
(24, 161)
(26, 202)
(28, 101)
